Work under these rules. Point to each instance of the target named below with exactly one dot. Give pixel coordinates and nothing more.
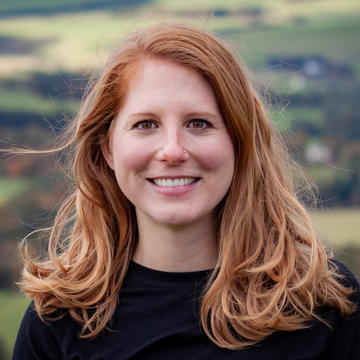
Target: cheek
(129, 157)
(219, 155)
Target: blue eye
(145, 125)
(198, 124)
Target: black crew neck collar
(172, 278)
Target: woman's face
(169, 147)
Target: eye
(145, 125)
(199, 124)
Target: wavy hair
(272, 272)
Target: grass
(76, 42)
(323, 174)
(82, 41)
(12, 307)
(32, 103)
(35, 4)
(274, 8)
(337, 40)
(325, 7)
(10, 188)
(338, 227)
(286, 117)
(44, 5)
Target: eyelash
(205, 122)
(139, 124)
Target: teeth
(175, 182)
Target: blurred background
(304, 56)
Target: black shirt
(158, 318)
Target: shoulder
(346, 278)
(33, 322)
(344, 340)
(41, 338)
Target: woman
(186, 239)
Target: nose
(171, 148)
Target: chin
(175, 221)
(179, 220)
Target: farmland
(49, 49)
(281, 28)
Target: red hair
(272, 272)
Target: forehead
(160, 81)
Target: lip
(172, 177)
(174, 190)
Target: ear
(107, 152)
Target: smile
(167, 182)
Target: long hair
(272, 273)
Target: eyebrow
(202, 113)
(192, 114)
(147, 114)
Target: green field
(10, 188)
(277, 9)
(81, 41)
(31, 103)
(283, 27)
(338, 227)
(40, 4)
(12, 307)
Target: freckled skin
(169, 109)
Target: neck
(190, 247)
